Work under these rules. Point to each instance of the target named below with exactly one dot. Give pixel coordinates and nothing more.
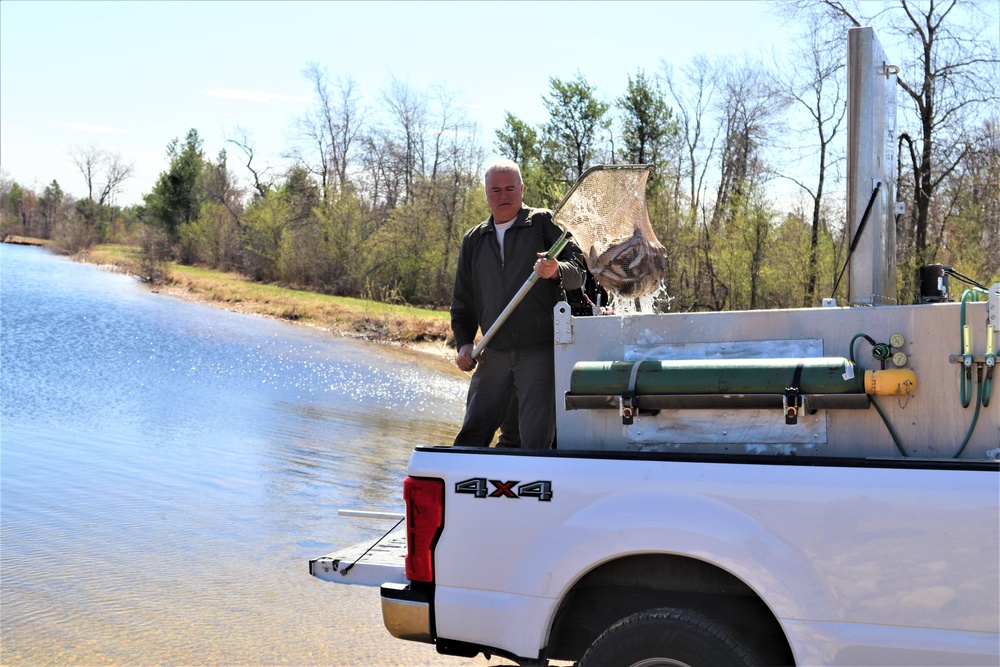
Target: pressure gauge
(899, 359)
(897, 340)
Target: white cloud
(252, 95)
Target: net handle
(553, 252)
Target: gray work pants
(528, 374)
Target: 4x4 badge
(480, 488)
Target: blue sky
(131, 76)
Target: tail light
(424, 519)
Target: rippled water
(167, 469)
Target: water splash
(657, 302)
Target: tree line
(377, 196)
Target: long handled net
(606, 213)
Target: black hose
(885, 419)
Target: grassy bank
(359, 318)
(402, 325)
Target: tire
(667, 638)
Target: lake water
(167, 469)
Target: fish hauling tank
(864, 379)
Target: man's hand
(464, 360)
(546, 268)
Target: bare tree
(381, 181)
(693, 98)
(457, 158)
(407, 107)
(87, 160)
(452, 125)
(814, 84)
(951, 79)
(116, 172)
(7, 184)
(102, 171)
(331, 129)
(262, 182)
(971, 198)
(748, 113)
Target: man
(496, 258)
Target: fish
(630, 267)
(640, 255)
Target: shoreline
(418, 334)
(436, 350)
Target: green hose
(984, 387)
(987, 390)
(975, 416)
(991, 363)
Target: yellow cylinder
(890, 382)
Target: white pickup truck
(794, 487)
(702, 528)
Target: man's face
(504, 194)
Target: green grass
(348, 316)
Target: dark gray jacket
(484, 285)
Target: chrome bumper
(406, 613)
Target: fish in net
(607, 216)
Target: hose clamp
(628, 404)
(791, 402)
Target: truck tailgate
(370, 563)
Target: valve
(881, 351)
(967, 345)
(991, 357)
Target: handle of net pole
(552, 253)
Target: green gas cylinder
(813, 375)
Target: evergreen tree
(576, 120)
(50, 203)
(517, 140)
(520, 142)
(179, 192)
(648, 126)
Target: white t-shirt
(501, 230)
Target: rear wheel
(667, 638)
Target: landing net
(607, 216)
